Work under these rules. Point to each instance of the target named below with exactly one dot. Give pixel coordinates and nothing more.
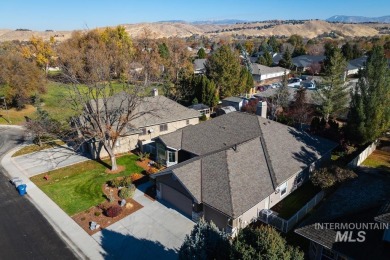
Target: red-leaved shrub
(113, 211)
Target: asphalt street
(24, 232)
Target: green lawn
(78, 187)
(296, 200)
(378, 159)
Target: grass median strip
(78, 187)
(36, 148)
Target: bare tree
(315, 68)
(97, 64)
(280, 99)
(300, 108)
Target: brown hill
(309, 29)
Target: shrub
(328, 177)
(97, 213)
(203, 117)
(126, 181)
(142, 156)
(127, 192)
(115, 182)
(113, 211)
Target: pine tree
(346, 49)
(369, 114)
(266, 59)
(333, 91)
(286, 61)
(201, 54)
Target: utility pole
(6, 109)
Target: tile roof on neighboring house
(236, 153)
(362, 200)
(305, 61)
(259, 69)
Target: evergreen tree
(263, 243)
(205, 242)
(163, 51)
(266, 59)
(201, 53)
(346, 49)
(280, 99)
(356, 52)
(333, 91)
(246, 81)
(274, 44)
(369, 114)
(286, 61)
(223, 67)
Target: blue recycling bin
(22, 189)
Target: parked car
(294, 82)
(308, 84)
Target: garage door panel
(178, 200)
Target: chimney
(261, 109)
(155, 92)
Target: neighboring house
(311, 95)
(202, 109)
(167, 117)
(199, 66)
(235, 102)
(225, 110)
(303, 62)
(230, 168)
(363, 201)
(276, 57)
(355, 65)
(261, 72)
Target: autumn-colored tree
(315, 68)
(20, 79)
(39, 51)
(104, 112)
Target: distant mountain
(358, 19)
(226, 21)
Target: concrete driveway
(153, 232)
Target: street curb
(57, 226)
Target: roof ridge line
(267, 159)
(229, 183)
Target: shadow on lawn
(119, 246)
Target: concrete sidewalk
(84, 246)
(47, 160)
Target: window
(187, 122)
(171, 156)
(144, 132)
(163, 127)
(283, 189)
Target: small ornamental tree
(205, 242)
(201, 54)
(330, 176)
(263, 243)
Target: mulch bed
(84, 218)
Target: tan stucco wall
(219, 219)
(129, 143)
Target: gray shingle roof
(233, 99)
(199, 64)
(199, 106)
(232, 162)
(384, 213)
(305, 60)
(357, 63)
(166, 110)
(259, 69)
